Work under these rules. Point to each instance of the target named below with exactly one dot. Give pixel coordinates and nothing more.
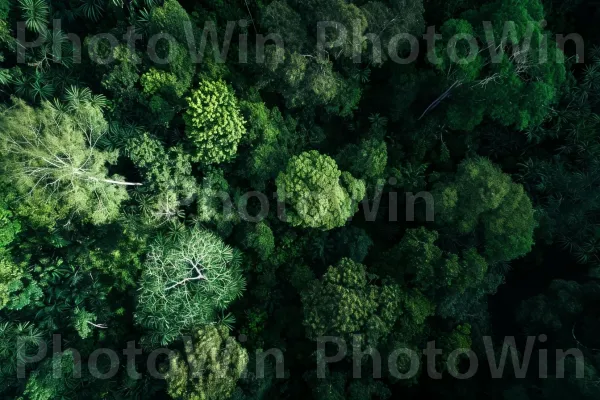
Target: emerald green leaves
(209, 369)
(77, 97)
(482, 196)
(515, 88)
(320, 194)
(213, 122)
(346, 302)
(36, 86)
(10, 226)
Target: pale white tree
(50, 156)
(187, 281)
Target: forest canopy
(285, 199)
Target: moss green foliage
(4, 9)
(170, 18)
(82, 321)
(212, 364)
(482, 196)
(10, 280)
(344, 303)
(418, 256)
(215, 203)
(213, 122)
(489, 83)
(367, 160)
(459, 338)
(273, 140)
(259, 237)
(9, 226)
(320, 194)
(155, 81)
(166, 170)
(44, 385)
(124, 76)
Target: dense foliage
(236, 191)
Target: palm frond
(40, 88)
(5, 76)
(142, 21)
(92, 9)
(99, 101)
(227, 320)
(35, 14)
